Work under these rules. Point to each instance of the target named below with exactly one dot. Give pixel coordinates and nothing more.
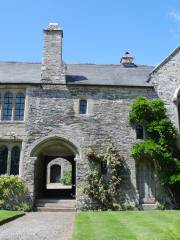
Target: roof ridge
(102, 64)
(1, 61)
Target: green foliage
(6, 214)
(161, 206)
(105, 190)
(67, 177)
(13, 194)
(162, 132)
(160, 144)
(145, 111)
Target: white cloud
(175, 27)
(175, 15)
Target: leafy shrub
(126, 206)
(160, 144)
(161, 206)
(14, 194)
(67, 178)
(104, 190)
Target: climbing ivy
(160, 143)
(104, 190)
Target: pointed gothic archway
(52, 153)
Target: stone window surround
(83, 98)
(14, 93)
(90, 106)
(137, 128)
(57, 161)
(10, 146)
(144, 134)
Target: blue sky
(95, 31)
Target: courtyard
(124, 225)
(127, 225)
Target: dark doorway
(55, 173)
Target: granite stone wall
(52, 112)
(166, 81)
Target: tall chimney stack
(53, 69)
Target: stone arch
(57, 161)
(176, 95)
(42, 152)
(45, 141)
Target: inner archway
(54, 165)
(55, 173)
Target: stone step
(53, 200)
(149, 206)
(50, 209)
(53, 205)
(64, 205)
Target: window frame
(19, 153)
(83, 100)
(6, 160)
(10, 145)
(104, 168)
(19, 94)
(5, 106)
(14, 93)
(142, 134)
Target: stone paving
(39, 226)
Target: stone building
(52, 110)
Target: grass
(128, 225)
(5, 215)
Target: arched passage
(51, 154)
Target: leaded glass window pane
(83, 106)
(15, 155)
(104, 168)
(3, 159)
(139, 132)
(19, 107)
(7, 106)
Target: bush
(104, 191)
(14, 194)
(67, 178)
(160, 144)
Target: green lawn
(4, 215)
(128, 225)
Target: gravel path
(39, 226)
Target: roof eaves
(19, 62)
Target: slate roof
(20, 72)
(86, 74)
(108, 74)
